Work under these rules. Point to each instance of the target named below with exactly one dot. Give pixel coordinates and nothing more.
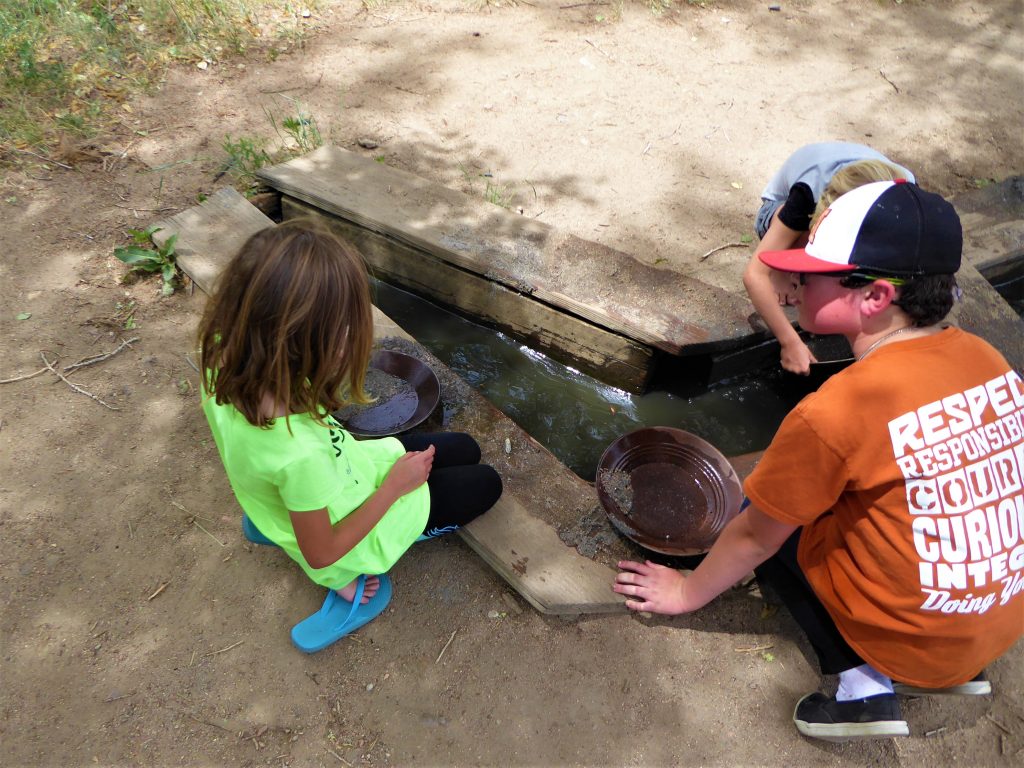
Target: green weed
(498, 194)
(148, 260)
(246, 155)
(299, 133)
(124, 313)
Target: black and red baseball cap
(886, 228)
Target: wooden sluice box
(592, 307)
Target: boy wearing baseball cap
(888, 512)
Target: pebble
(369, 686)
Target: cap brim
(798, 260)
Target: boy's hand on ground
(797, 358)
(651, 587)
(411, 470)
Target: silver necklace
(889, 335)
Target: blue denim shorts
(764, 216)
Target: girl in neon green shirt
(285, 341)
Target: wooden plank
(210, 233)
(527, 552)
(523, 548)
(656, 307)
(613, 358)
(997, 251)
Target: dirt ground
(137, 625)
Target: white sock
(861, 682)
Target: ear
(878, 297)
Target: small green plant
(147, 260)
(498, 194)
(300, 130)
(245, 156)
(125, 314)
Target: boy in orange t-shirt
(888, 512)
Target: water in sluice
(574, 416)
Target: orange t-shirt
(907, 472)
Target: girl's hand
(797, 357)
(410, 471)
(652, 587)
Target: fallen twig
(75, 387)
(224, 650)
(190, 514)
(722, 248)
(445, 647)
(46, 159)
(662, 138)
(936, 732)
(579, 5)
(890, 82)
(197, 525)
(213, 725)
(999, 725)
(598, 49)
(189, 360)
(80, 364)
(755, 648)
(100, 358)
(346, 762)
(159, 589)
(146, 210)
(22, 378)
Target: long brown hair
(290, 318)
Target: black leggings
(782, 573)
(461, 488)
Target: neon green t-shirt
(273, 471)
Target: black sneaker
(876, 717)
(979, 686)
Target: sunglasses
(852, 279)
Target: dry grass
(69, 67)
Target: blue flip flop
(253, 534)
(339, 617)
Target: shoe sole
(971, 688)
(841, 732)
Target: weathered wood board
(993, 222)
(597, 352)
(610, 289)
(209, 234)
(523, 548)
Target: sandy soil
(137, 625)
